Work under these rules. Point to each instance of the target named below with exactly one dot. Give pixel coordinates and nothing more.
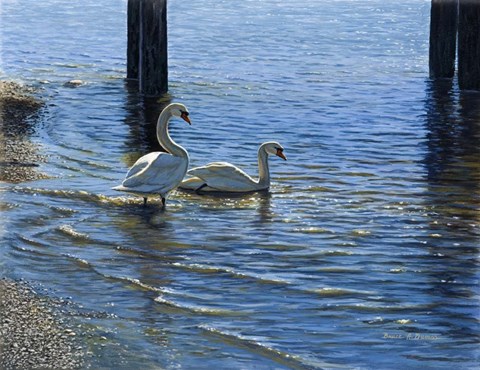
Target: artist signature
(412, 336)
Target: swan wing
(224, 176)
(156, 173)
(141, 163)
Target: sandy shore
(34, 334)
(19, 112)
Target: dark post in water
(147, 45)
(443, 36)
(469, 45)
(133, 38)
(450, 18)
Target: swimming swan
(158, 173)
(225, 177)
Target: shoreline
(34, 333)
(20, 109)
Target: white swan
(158, 173)
(225, 177)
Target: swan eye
(279, 153)
(184, 115)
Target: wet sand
(34, 334)
(19, 110)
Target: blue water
(364, 254)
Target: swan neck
(164, 137)
(263, 170)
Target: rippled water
(363, 254)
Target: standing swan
(159, 173)
(225, 177)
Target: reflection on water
(454, 130)
(141, 117)
(453, 123)
(453, 198)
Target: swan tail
(119, 188)
(192, 183)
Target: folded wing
(224, 176)
(156, 172)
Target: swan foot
(197, 190)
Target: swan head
(274, 148)
(179, 110)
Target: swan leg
(197, 190)
(145, 201)
(163, 202)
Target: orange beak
(185, 118)
(280, 154)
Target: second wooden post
(469, 45)
(443, 36)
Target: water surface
(363, 254)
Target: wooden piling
(133, 38)
(153, 71)
(147, 57)
(469, 45)
(443, 35)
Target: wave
(82, 195)
(90, 163)
(206, 269)
(384, 308)
(162, 291)
(281, 357)
(71, 232)
(84, 172)
(313, 230)
(340, 270)
(339, 292)
(335, 253)
(200, 309)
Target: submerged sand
(34, 334)
(20, 109)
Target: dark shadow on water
(141, 118)
(453, 125)
(453, 150)
(452, 200)
(223, 195)
(145, 228)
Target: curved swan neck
(263, 170)
(164, 137)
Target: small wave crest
(384, 308)
(198, 309)
(340, 292)
(253, 345)
(71, 232)
(81, 195)
(79, 261)
(206, 269)
(313, 230)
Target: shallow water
(363, 254)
